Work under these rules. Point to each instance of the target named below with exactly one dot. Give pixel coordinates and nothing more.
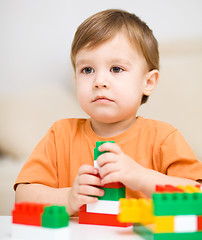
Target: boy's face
(111, 80)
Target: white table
(79, 231)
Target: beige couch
(26, 117)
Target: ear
(151, 82)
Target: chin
(106, 119)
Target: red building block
(113, 185)
(83, 208)
(199, 227)
(167, 188)
(28, 213)
(101, 219)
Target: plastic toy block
(96, 166)
(113, 194)
(136, 211)
(102, 206)
(101, 219)
(107, 207)
(164, 224)
(28, 213)
(189, 188)
(55, 217)
(25, 232)
(168, 204)
(185, 223)
(199, 223)
(180, 188)
(99, 143)
(143, 231)
(168, 188)
(146, 233)
(113, 185)
(83, 208)
(199, 186)
(178, 236)
(97, 153)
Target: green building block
(97, 153)
(178, 236)
(55, 217)
(147, 234)
(113, 194)
(99, 143)
(143, 231)
(171, 204)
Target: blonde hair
(104, 25)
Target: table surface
(79, 231)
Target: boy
(116, 63)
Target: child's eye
(87, 70)
(116, 69)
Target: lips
(102, 99)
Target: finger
(84, 199)
(87, 169)
(107, 169)
(110, 147)
(90, 190)
(106, 158)
(111, 178)
(87, 179)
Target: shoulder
(69, 122)
(157, 129)
(157, 125)
(68, 125)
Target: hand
(116, 166)
(84, 186)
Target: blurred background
(37, 79)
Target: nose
(101, 81)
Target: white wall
(36, 35)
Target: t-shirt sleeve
(178, 159)
(41, 166)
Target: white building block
(103, 206)
(96, 165)
(185, 223)
(22, 232)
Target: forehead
(118, 46)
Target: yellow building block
(189, 188)
(164, 224)
(129, 210)
(135, 211)
(146, 216)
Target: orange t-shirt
(69, 143)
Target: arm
(152, 178)
(118, 167)
(73, 197)
(39, 193)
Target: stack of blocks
(33, 220)
(173, 213)
(105, 211)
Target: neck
(111, 129)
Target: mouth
(102, 99)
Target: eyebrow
(82, 61)
(120, 60)
(113, 60)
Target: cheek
(82, 93)
(130, 94)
